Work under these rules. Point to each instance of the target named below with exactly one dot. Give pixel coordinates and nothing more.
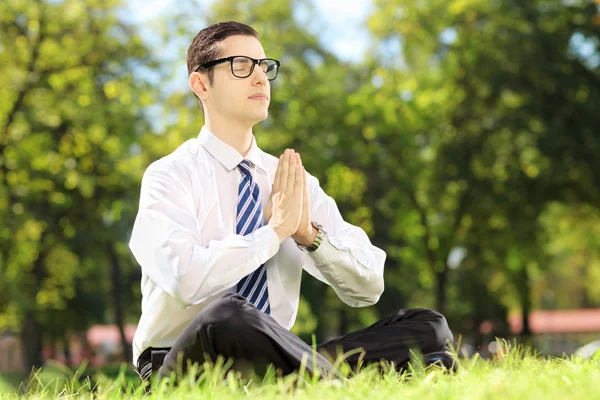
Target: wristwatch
(315, 245)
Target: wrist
(308, 238)
(316, 241)
(281, 232)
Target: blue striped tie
(253, 287)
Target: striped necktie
(252, 287)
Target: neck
(236, 134)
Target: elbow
(185, 292)
(191, 287)
(174, 275)
(379, 287)
(186, 296)
(367, 296)
(375, 292)
(377, 284)
(374, 288)
(170, 258)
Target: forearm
(190, 272)
(354, 269)
(345, 259)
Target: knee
(441, 335)
(433, 326)
(223, 315)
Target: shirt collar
(227, 155)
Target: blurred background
(462, 135)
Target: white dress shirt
(185, 240)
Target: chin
(259, 116)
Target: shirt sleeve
(346, 260)
(166, 242)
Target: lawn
(519, 374)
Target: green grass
(520, 374)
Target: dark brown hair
(206, 45)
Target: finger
(302, 172)
(291, 178)
(276, 183)
(306, 201)
(284, 171)
(299, 182)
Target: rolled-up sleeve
(166, 242)
(346, 260)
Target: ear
(199, 84)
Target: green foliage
(70, 124)
(469, 124)
(493, 121)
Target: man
(225, 230)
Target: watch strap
(318, 240)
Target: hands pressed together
(288, 208)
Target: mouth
(259, 97)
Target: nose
(259, 76)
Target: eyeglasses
(242, 66)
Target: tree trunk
(585, 297)
(526, 306)
(52, 349)
(31, 341)
(344, 323)
(118, 309)
(31, 332)
(67, 351)
(440, 294)
(86, 350)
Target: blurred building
(105, 342)
(100, 345)
(554, 332)
(11, 356)
(558, 332)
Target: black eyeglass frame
(255, 62)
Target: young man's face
(244, 100)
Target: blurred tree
(572, 240)
(498, 100)
(470, 125)
(69, 159)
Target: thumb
(306, 200)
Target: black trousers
(232, 327)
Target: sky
(345, 27)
